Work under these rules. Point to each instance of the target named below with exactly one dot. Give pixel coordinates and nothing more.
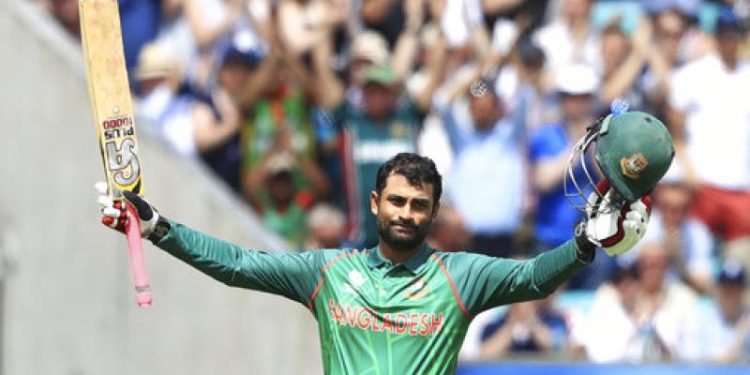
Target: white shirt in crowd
(717, 120)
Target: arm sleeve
(485, 282)
(292, 275)
(457, 137)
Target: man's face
(281, 187)
(728, 45)
(672, 202)
(233, 76)
(404, 212)
(670, 28)
(729, 298)
(485, 110)
(379, 100)
(576, 107)
(653, 264)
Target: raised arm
(623, 77)
(206, 34)
(292, 275)
(330, 89)
(210, 131)
(407, 44)
(435, 72)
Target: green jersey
(376, 317)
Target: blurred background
(263, 122)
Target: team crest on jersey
(417, 291)
(633, 165)
(355, 281)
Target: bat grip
(137, 261)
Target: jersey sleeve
(292, 275)
(484, 282)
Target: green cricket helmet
(633, 150)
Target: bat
(112, 111)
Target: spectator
(488, 176)
(387, 123)
(670, 28)
(663, 307)
(368, 48)
(571, 38)
(448, 232)
(190, 123)
(605, 331)
(240, 63)
(641, 317)
(549, 148)
(710, 124)
(326, 227)
(623, 60)
(533, 328)
(722, 334)
(735, 314)
(276, 102)
(521, 85)
(687, 240)
(277, 198)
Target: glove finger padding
(115, 214)
(617, 231)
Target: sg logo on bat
(123, 165)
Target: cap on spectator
(370, 46)
(379, 74)
(732, 273)
(154, 61)
(727, 22)
(577, 79)
(279, 162)
(243, 49)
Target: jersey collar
(375, 259)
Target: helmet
(633, 150)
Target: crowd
(295, 104)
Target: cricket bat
(112, 110)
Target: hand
(616, 230)
(115, 214)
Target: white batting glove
(615, 230)
(115, 214)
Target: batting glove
(115, 214)
(615, 230)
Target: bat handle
(137, 261)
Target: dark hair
(417, 169)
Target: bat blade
(112, 110)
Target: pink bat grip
(137, 262)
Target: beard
(400, 241)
